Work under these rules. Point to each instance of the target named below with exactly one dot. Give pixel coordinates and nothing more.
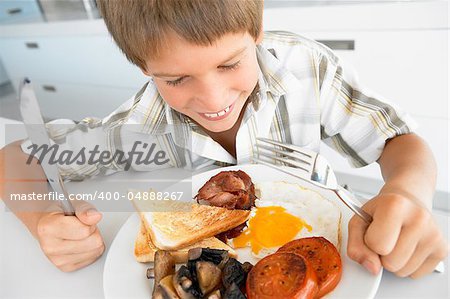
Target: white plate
(123, 277)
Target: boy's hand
(70, 242)
(403, 237)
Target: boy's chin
(218, 126)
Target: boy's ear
(260, 37)
(143, 70)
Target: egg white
(320, 213)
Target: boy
(215, 74)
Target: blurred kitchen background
(399, 49)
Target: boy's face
(210, 84)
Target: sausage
(323, 257)
(282, 275)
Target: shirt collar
(274, 77)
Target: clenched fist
(71, 242)
(403, 237)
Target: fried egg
(285, 212)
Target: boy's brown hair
(139, 27)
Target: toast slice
(144, 249)
(178, 229)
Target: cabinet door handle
(49, 88)
(32, 45)
(339, 44)
(14, 11)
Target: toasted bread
(144, 249)
(175, 230)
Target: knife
(35, 127)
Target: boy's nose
(211, 95)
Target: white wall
(410, 40)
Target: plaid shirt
(304, 95)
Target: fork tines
(287, 154)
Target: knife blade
(35, 127)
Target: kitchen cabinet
(76, 101)
(76, 59)
(405, 67)
(75, 67)
(19, 11)
(3, 76)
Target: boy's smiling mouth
(218, 115)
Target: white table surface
(25, 271)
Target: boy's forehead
(179, 52)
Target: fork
(315, 168)
(311, 167)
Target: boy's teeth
(211, 115)
(220, 113)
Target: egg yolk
(270, 227)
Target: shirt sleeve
(96, 146)
(355, 121)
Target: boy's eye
(231, 66)
(175, 82)
(224, 67)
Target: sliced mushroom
(214, 295)
(207, 254)
(216, 256)
(164, 265)
(184, 285)
(223, 262)
(233, 272)
(246, 266)
(233, 292)
(167, 289)
(150, 273)
(209, 276)
(158, 293)
(195, 253)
